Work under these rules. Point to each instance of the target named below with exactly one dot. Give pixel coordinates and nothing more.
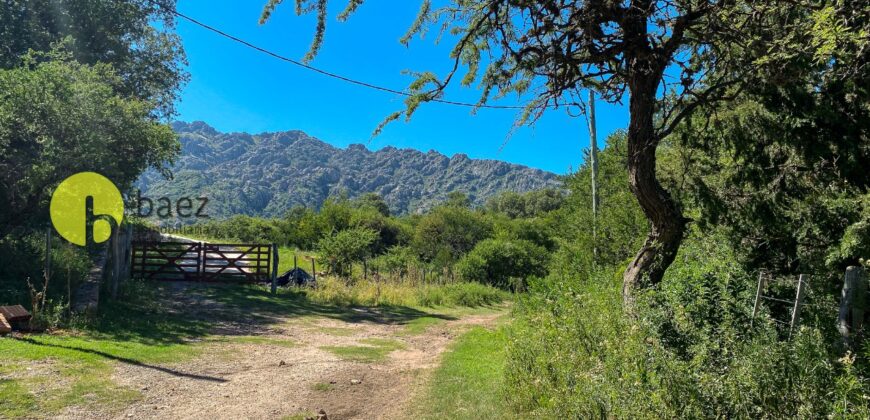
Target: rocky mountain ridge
(266, 174)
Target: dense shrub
(447, 233)
(689, 352)
(397, 262)
(503, 263)
(530, 204)
(22, 256)
(344, 248)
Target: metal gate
(198, 261)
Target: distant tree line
(503, 243)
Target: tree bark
(667, 224)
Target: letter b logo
(70, 211)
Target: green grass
(303, 261)
(374, 350)
(322, 386)
(82, 373)
(421, 325)
(15, 399)
(469, 381)
(331, 290)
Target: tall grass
(332, 290)
(689, 351)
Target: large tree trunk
(666, 219)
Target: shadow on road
(122, 360)
(180, 312)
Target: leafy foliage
(783, 166)
(57, 118)
(147, 60)
(531, 204)
(344, 248)
(447, 233)
(503, 263)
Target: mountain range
(266, 174)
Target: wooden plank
(15, 313)
(5, 328)
(274, 276)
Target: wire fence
(788, 299)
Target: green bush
(447, 233)
(503, 263)
(688, 352)
(22, 256)
(396, 262)
(344, 248)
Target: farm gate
(200, 261)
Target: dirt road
(364, 366)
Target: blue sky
(234, 88)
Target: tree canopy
(148, 61)
(667, 57)
(59, 117)
(783, 166)
(86, 85)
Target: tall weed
(370, 293)
(691, 350)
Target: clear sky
(234, 88)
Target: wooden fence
(198, 261)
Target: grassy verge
(469, 382)
(331, 290)
(40, 375)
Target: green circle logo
(86, 198)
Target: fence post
(274, 269)
(852, 303)
(114, 254)
(47, 253)
(758, 292)
(798, 302)
(313, 271)
(126, 251)
(200, 266)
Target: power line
(321, 71)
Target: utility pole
(593, 157)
